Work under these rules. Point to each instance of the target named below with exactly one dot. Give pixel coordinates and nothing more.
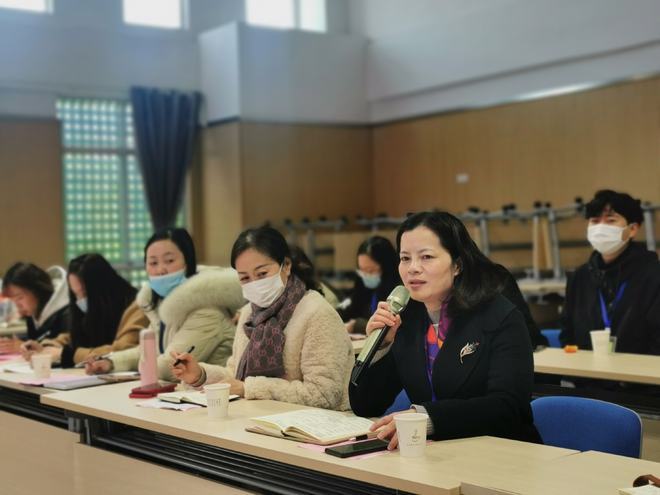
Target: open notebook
(188, 396)
(317, 426)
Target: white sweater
(318, 358)
(198, 312)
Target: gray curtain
(166, 124)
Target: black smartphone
(357, 448)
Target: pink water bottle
(148, 367)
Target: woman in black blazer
(460, 349)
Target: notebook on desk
(82, 382)
(316, 426)
(189, 396)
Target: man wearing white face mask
(619, 287)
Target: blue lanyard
(374, 302)
(603, 307)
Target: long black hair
(302, 261)
(108, 296)
(272, 243)
(479, 279)
(181, 238)
(382, 252)
(30, 277)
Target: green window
(104, 204)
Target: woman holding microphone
(460, 349)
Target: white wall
(427, 56)
(297, 76)
(84, 49)
(220, 72)
(284, 75)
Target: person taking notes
(40, 297)
(103, 316)
(290, 343)
(185, 306)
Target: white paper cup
(217, 400)
(411, 430)
(41, 365)
(600, 342)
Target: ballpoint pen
(178, 361)
(82, 364)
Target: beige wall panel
(37, 458)
(218, 193)
(106, 473)
(552, 150)
(31, 193)
(296, 171)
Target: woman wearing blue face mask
(377, 271)
(185, 307)
(102, 316)
(290, 343)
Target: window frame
(184, 15)
(125, 153)
(49, 8)
(296, 20)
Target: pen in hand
(178, 361)
(82, 364)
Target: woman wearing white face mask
(184, 307)
(619, 287)
(377, 263)
(290, 343)
(103, 316)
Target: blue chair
(588, 424)
(401, 403)
(553, 336)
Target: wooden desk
(542, 287)
(37, 446)
(440, 471)
(585, 473)
(635, 368)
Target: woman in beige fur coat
(185, 307)
(290, 343)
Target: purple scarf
(264, 354)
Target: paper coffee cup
(600, 342)
(217, 400)
(41, 365)
(411, 431)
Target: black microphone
(397, 300)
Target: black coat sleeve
(379, 385)
(567, 334)
(653, 324)
(503, 409)
(512, 292)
